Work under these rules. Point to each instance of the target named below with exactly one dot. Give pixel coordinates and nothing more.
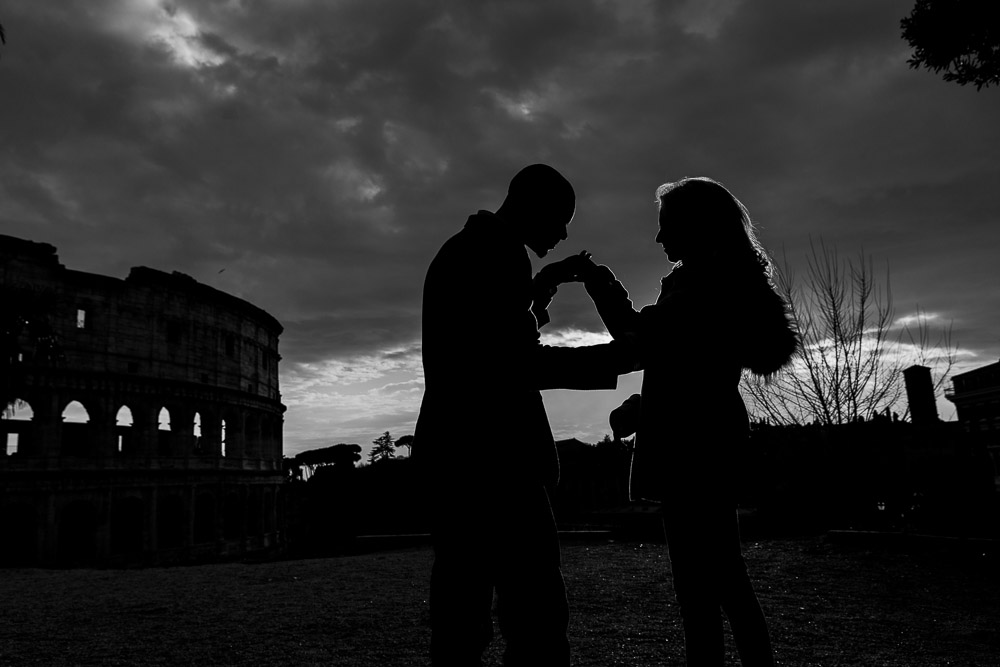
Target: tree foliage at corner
(960, 37)
(384, 448)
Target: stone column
(152, 519)
(48, 427)
(144, 427)
(104, 432)
(49, 540)
(211, 434)
(182, 432)
(235, 436)
(190, 496)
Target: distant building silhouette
(156, 438)
(976, 395)
(920, 395)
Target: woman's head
(701, 220)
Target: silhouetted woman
(717, 315)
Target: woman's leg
(739, 601)
(694, 564)
(710, 576)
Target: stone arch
(128, 521)
(204, 517)
(75, 412)
(222, 439)
(171, 521)
(76, 430)
(19, 529)
(163, 419)
(77, 531)
(16, 426)
(197, 444)
(124, 422)
(164, 434)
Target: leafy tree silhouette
(384, 448)
(961, 37)
(405, 441)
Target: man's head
(540, 202)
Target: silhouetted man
(483, 438)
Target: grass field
(828, 604)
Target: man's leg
(461, 597)
(531, 596)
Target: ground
(828, 604)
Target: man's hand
(572, 269)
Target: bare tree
(853, 352)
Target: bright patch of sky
(350, 181)
(574, 338)
(706, 17)
(521, 107)
(173, 29)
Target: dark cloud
(318, 154)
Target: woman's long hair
(721, 225)
(717, 219)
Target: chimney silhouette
(920, 394)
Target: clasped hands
(581, 268)
(574, 268)
(546, 282)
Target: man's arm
(588, 367)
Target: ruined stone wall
(156, 436)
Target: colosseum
(143, 421)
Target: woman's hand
(624, 420)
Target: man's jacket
(482, 421)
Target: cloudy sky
(311, 157)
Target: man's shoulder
(483, 234)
